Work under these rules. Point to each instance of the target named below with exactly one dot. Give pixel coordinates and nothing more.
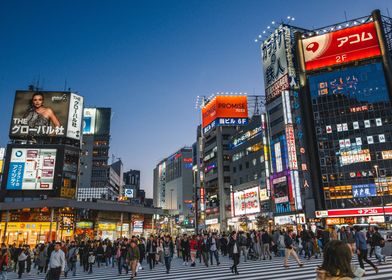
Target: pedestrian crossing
(250, 270)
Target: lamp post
(382, 190)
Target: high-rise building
(249, 192)
(346, 87)
(173, 187)
(289, 165)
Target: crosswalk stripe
(250, 270)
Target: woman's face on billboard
(38, 101)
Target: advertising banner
(75, 117)
(355, 212)
(246, 202)
(46, 114)
(31, 169)
(341, 46)
(227, 110)
(89, 120)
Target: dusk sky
(147, 60)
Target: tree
(262, 222)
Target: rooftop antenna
(345, 15)
(388, 12)
(65, 85)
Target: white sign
(290, 219)
(246, 202)
(128, 193)
(2, 152)
(282, 199)
(75, 113)
(211, 221)
(31, 169)
(321, 214)
(263, 195)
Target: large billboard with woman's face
(46, 114)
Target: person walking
(41, 259)
(290, 250)
(56, 264)
(185, 249)
(214, 249)
(266, 240)
(350, 239)
(151, 250)
(360, 242)
(235, 252)
(242, 243)
(205, 249)
(168, 252)
(91, 258)
(193, 245)
(71, 258)
(4, 259)
(133, 256)
(378, 242)
(21, 262)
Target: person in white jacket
(21, 262)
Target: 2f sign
(341, 58)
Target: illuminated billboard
(246, 202)
(96, 121)
(349, 44)
(89, 120)
(46, 114)
(225, 110)
(31, 169)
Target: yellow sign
(107, 226)
(37, 226)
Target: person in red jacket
(193, 245)
(4, 256)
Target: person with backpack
(242, 243)
(168, 252)
(378, 242)
(71, 258)
(290, 250)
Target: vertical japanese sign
(292, 152)
(278, 65)
(75, 117)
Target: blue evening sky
(147, 60)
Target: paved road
(250, 270)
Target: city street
(250, 270)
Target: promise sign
(341, 46)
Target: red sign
(224, 106)
(341, 46)
(356, 212)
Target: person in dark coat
(151, 250)
(142, 249)
(235, 252)
(186, 250)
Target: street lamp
(382, 192)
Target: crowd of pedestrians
(63, 258)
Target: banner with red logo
(341, 46)
(354, 212)
(246, 202)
